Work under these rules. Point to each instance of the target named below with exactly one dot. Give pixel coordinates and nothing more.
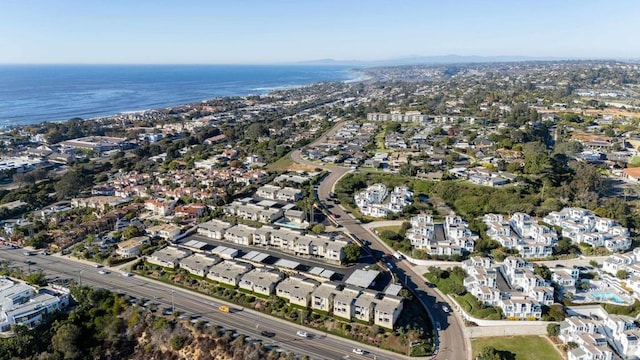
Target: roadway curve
(246, 322)
(452, 342)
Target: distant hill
(418, 60)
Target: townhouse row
(523, 295)
(344, 302)
(328, 248)
(373, 201)
(452, 237)
(600, 335)
(521, 232)
(582, 226)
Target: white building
(23, 304)
(599, 335)
(582, 226)
(373, 201)
(526, 292)
(522, 233)
(458, 239)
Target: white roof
(362, 278)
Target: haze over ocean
(31, 94)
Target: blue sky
(271, 31)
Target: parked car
(446, 308)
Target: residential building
(164, 231)
(582, 226)
(387, 311)
(344, 302)
(457, 239)
(198, 264)
(373, 201)
(521, 233)
(132, 247)
(161, 207)
(297, 290)
(228, 272)
(525, 292)
(322, 297)
(261, 281)
(240, 234)
(364, 304)
(214, 229)
(23, 304)
(169, 256)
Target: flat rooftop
(362, 278)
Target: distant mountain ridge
(438, 59)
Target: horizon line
(328, 61)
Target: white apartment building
(458, 239)
(21, 303)
(524, 298)
(522, 233)
(373, 201)
(582, 226)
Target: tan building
(132, 247)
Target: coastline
(244, 88)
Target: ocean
(30, 94)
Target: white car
(446, 308)
(102, 272)
(127, 274)
(302, 333)
(358, 351)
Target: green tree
(491, 353)
(318, 229)
(72, 182)
(536, 159)
(622, 274)
(65, 341)
(553, 329)
(131, 232)
(543, 271)
(352, 252)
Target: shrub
(178, 342)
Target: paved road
(248, 322)
(452, 342)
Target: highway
(246, 322)
(451, 340)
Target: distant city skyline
(288, 31)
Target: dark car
(268, 334)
